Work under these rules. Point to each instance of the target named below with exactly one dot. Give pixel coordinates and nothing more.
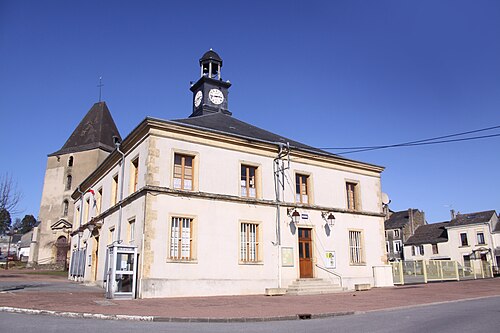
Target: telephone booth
(121, 271)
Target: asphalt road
(480, 315)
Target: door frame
(311, 242)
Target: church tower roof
(96, 130)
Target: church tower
(89, 144)
(210, 92)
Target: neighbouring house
(496, 251)
(399, 226)
(216, 206)
(470, 238)
(24, 245)
(430, 241)
(12, 241)
(89, 144)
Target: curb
(300, 316)
(80, 315)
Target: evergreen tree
(5, 221)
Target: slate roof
(398, 219)
(472, 218)
(429, 234)
(226, 124)
(96, 130)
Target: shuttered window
(249, 238)
(181, 234)
(355, 247)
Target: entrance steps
(313, 287)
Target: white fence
(423, 271)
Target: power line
(428, 141)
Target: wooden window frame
(134, 174)
(299, 183)
(477, 238)
(98, 204)
(131, 230)
(353, 202)
(464, 242)
(246, 242)
(114, 189)
(247, 186)
(356, 253)
(178, 238)
(183, 178)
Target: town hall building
(212, 205)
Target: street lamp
(329, 218)
(9, 233)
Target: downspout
(80, 222)
(119, 226)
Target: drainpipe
(122, 180)
(80, 222)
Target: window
(131, 230)
(181, 238)
(387, 249)
(78, 213)
(355, 247)
(301, 188)
(480, 238)
(65, 207)
(466, 260)
(435, 249)
(249, 242)
(70, 161)
(134, 175)
(463, 239)
(421, 250)
(86, 209)
(397, 246)
(114, 190)
(351, 190)
(183, 172)
(98, 201)
(69, 179)
(111, 235)
(396, 233)
(248, 181)
(413, 251)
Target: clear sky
(326, 73)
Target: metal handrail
(326, 270)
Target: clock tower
(210, 92)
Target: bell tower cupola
(210, 92)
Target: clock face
(197, 98)
(216, 96)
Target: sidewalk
(57, 294)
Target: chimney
(453, 215)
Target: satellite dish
(385, 199)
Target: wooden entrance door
(62, 247)
(305, 253)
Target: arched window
(65, 207)
(68, 182)
(70, 161)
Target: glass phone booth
(121, 271)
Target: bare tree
(9, 194)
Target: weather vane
(100, 87)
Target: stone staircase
(313, 287)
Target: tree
(5, 221)
(26, 224)
(9, 194)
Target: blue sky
(327, 73)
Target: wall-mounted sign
(330, 259)
(287, 256)
(305, 216)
